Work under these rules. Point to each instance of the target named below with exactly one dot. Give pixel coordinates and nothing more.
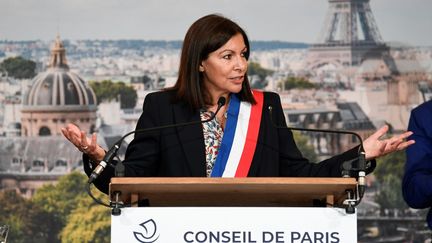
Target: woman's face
(224, 69)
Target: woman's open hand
(87, 145)
(374, 147)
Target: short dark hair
(205, 36)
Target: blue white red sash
(240, 137)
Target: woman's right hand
(83, 143)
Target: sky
(406, 21)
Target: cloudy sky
(407, 21)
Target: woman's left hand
(374, 147)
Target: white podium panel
(234, 225)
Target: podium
(260, 209)
(257, 191)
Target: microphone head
(221, 101)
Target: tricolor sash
(240, 137)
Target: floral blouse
(213, 134)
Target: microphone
(361, 153)
(112, 152)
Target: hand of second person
(83, 143)
(374, 147)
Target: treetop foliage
(18, 67)
(389, 173)
(108, 90)
(57, 213)
(255, 68)
(296, 83)
(305, 148)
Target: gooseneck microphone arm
(112, 152)
(270, 108)
(361, 151)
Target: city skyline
(282, 20)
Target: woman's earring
(201, 69)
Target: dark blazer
(180, 152)
(416, 184)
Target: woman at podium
(232, 131)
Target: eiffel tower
(350, 36)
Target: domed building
(58, 97)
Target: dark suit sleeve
(417, 181)
(142, 153)
(292, 162)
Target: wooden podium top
(257, 191)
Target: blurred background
(337, 64)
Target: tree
(89, 222)
(27, 222)
(60, 200)
(75, 217)
(255, 69)
(305, 148)
(108, 90)
(295, 83)
(389, 173)
(19, 67)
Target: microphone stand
(352, 200)
(119, 167)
